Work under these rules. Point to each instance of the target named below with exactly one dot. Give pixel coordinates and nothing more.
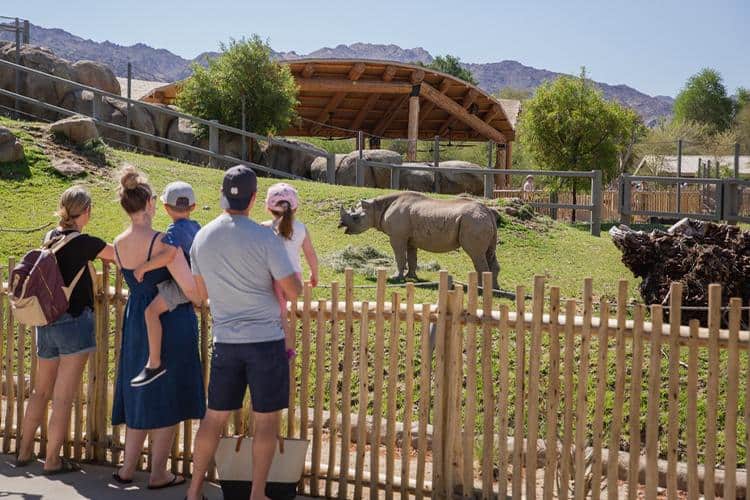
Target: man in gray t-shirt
(235, 262)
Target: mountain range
(162, 65)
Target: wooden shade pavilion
(385, 99)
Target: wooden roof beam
(442, 101)
(345, 85)
(308, 70)
(468, 100)
(325, 115)
(389, 73)
(372, 99)
(389, 115)
(428, 107)
(492, 113)
(356, 71)
(417, 77)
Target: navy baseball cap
(238, 188)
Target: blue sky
(653, 46)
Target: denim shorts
(67, 335)
(263, 366)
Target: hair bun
(131, 178)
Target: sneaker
(147, 376)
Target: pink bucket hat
(281, 192)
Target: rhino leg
(399, 253)
(411, 258)
(494, 266)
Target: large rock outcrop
(11, 148)
(692, 252)
(293, 161)
(319, 167)
(77, 129)
(96, 75)
(460, 182)
(380, 177)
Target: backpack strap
(69, 289)
(58, 245)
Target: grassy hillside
(29, 193)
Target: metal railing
(214, 127)
(725, 197)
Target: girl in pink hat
(282, 202)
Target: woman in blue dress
(178, 395)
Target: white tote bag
(234, 462)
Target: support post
(679, 175)
(489, 180)
(413, 130)
(96, 106)
(127, 110)
(213, 142)
(625, 199)
(244, 129)
(736, 160)
(436, 152)
(596, 201)
(331, 168)
(26, 32)
(395, 177)
(359, 171)
(18, 61)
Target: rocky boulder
(183, 131)
(417, 180)
(67, 167)
(293, 161)
(319, 167)
(346, 171)
(11, 148)
(462, 182)
(77, 129)
(34, 86)
(96, 75)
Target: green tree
(704, 99)
(568, 125)
(742, 98)
(243, 70)
(742, 128)
(514, 93)
(451, 65)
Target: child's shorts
(280, 294)
(172, 294)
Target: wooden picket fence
(692, 201)
(468, 396)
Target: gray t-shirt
(238, 260)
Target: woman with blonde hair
(178, 395)
(64, 346)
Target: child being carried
(179, 202)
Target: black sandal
(66, 466)
(24, 463)
(176, 481)
(119, 479)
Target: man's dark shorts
(262, 366)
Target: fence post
(96, 106)
(679, 175)
(244, 129)
(26, 32)
(596, 201)
(360, 174)
(213, 142)
(436, 152)
(331, 168)
(395, 177)
(489, 180)
(625, 199)
(18, 61)
(127, 109)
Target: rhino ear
(366, 204)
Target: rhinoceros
(414, 221)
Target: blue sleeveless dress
(178, 394)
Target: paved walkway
(93, 482)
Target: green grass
(29, 192)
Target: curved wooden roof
(338, 96)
